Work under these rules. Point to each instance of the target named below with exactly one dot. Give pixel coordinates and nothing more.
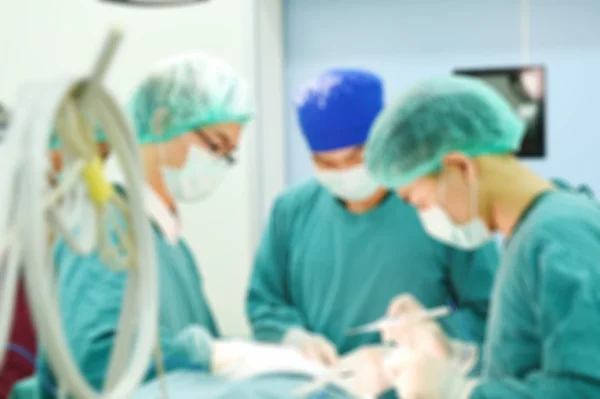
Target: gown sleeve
(91, 296)
(564, 284)
(269, 306)
(471, 276)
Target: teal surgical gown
(544, 331)
(326, 270)
(90, 301)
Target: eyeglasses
(215, 148)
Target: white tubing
(10, 246)
(140, 308)
(10, 280)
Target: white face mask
(199, 177)
(353, 184)
(467, 236)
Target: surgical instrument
(378, 325)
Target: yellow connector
(99, 189)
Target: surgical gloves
(366, 374)
(417, 375)
(313, 346)
(426, 364)
(416, 331)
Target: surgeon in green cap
(340, 247)
(189, 114)
(447, 146)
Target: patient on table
(248, 370)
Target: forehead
(340, 154)
(424, 184)
(228, 130)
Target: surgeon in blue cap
(339, 248)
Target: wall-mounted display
(525, 89)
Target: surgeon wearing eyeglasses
(188, 114)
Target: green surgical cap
(187, 93)
(433, 118)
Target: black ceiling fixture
(155, 3)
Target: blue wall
(404, 40)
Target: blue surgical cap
(336, 109)
(435, 117)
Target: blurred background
(278, 44)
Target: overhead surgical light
(155, 3)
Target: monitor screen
(524, 88)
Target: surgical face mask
(467, 236)
(199, 177)
(353, 184)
